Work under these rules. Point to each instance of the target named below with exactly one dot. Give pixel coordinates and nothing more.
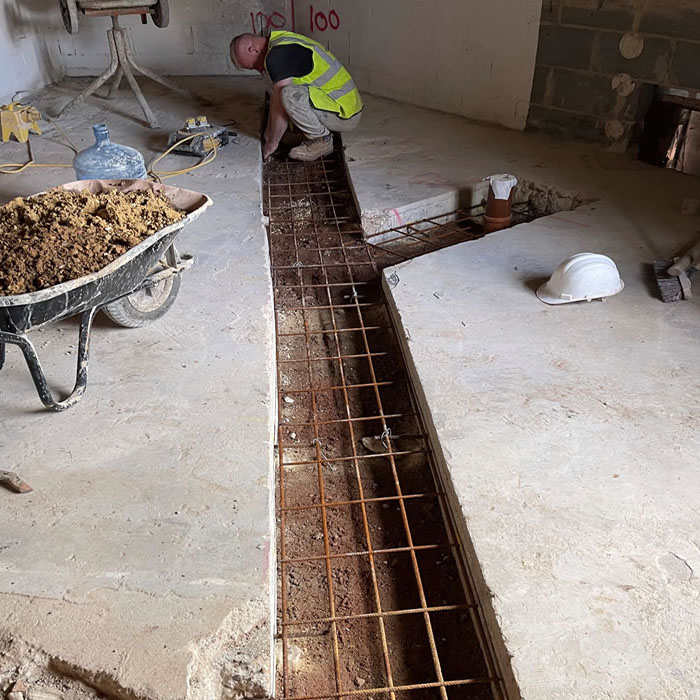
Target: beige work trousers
(313, 123)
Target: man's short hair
(234, 45)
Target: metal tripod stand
(122, 65)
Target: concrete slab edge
(221, 666)
(272, 461)
(496, 641)
(49, 676)
(376, 221)
(543, 198)
(272, 442)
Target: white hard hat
(582, 277)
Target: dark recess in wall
(671, 138)
(600, 64)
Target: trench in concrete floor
(375, 598)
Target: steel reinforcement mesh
(375, 599)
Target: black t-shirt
(289, 61)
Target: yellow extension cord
(157, 175)
(21, 167)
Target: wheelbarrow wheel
(69, 13)
(145, 306)
(160, 14)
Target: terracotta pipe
(499, 214)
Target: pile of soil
(60, 235)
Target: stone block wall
(599, 62)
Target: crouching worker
(309, 87)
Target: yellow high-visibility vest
(331, 87)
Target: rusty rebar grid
(437, 232)
(341, 382)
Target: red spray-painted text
(322, 21)
(261, 21)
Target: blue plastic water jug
(108, 161)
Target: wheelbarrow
(135, 289)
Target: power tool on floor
(203, 137)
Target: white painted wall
(195, 43)
(29, 55)
(469, 57)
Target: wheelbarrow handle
(37, 372)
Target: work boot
(313, 149)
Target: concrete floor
(568, 435)
(143, 562)
(407, 163)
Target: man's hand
(277, 121)
(269, 148)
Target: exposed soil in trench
(358, 601)
(360, 647)
(61, 235)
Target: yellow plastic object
(158, 175)
(18, 119)
(192, 123)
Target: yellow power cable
(159, 175)
(20, 167)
